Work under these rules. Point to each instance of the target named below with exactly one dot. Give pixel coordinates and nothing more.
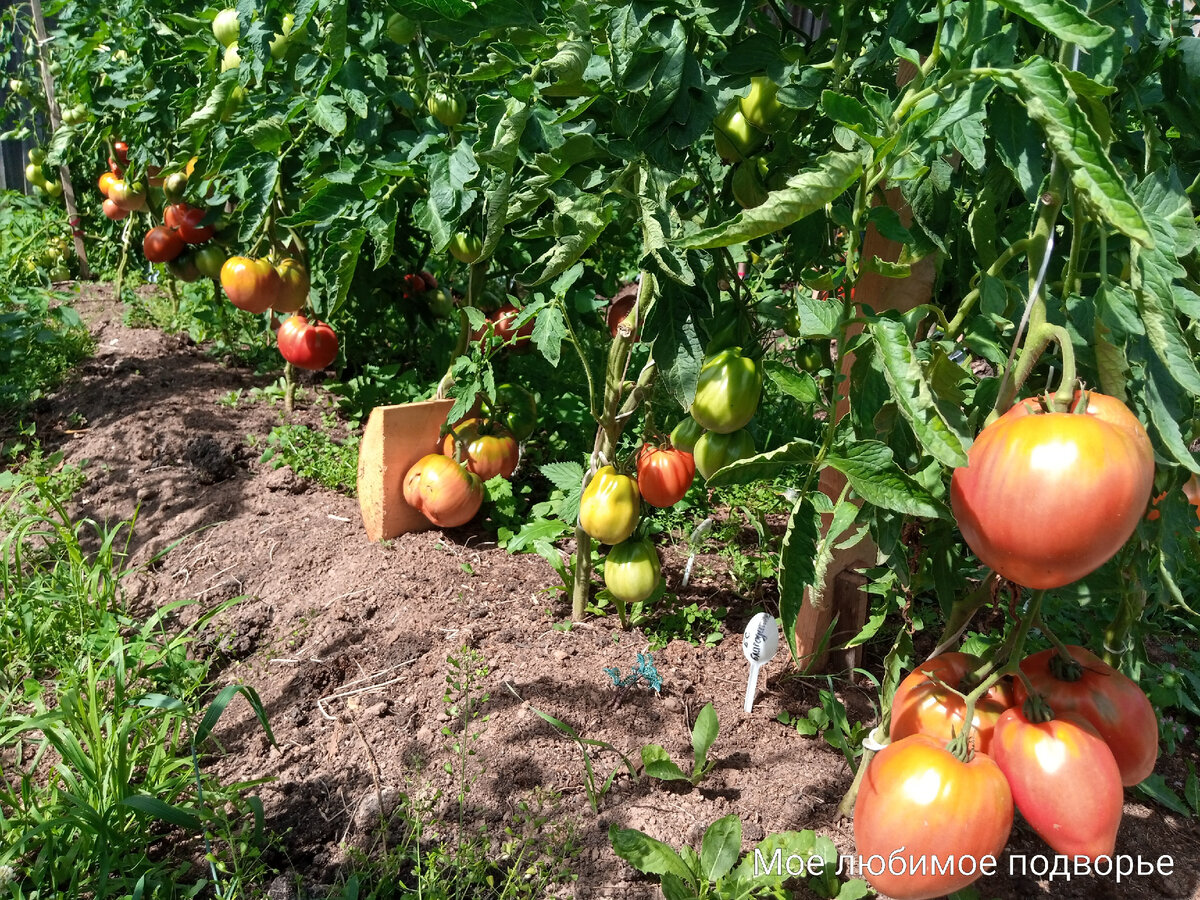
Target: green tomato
(761, 106)
(233, 103)
(447, 106)
(60, 273)
(749, 183)
(466, 247)
(441, 304)
(231, 59)
(54, 188)
(736, 138)
(225, 27)
(401, 29)
(37, 156)
(33, 174)
(813, 356)
(685, 434)
(715, 451)
(209, 259)
(727, 391)
(632, 570)
(516, 409)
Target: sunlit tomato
(107, 180)
(516, 408)
(761, 106)
(189, 225)
(488, 449)
(173, 187)
(727, 391)
(632, 570)
(444, 491)
(918, 796)
(447, 106)
(924, 705)
(619, 311)
(250, 284)
(715, 451)
(1113, 704)
(209, 260)
(113, 211)
(121, 152)
(293, 286)
(307, 345)
(130, 196)
(610, 506)
(174, 213)
(1064, 780)
(685, 434)
(401, 29)
(231, 58)
(1047, 498)
(162, 244)
(466, 247)
(225, 26)
(736, 138)
(664, 474)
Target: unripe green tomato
(610, 506)
(209, 260)
(37, 156)
(54, 188)
(33, 174)
(447, 106)
(516, 407)
(761, 107)
(279, 44)
(685, 434)
(225, 27)
(749, 183)
(16, 85)
(632, 570)
(60, 273)
(55, 68)
(173, 187)
(441, 304)
(401, 29)
(727, 391)
(715, 451)
(233, 103)
(231, 59)
(466, 247)
(736, 138)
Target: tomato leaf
(799, 386)
(578, 222)
(819, 316)
(1162, 399)
(1054, 106)
(1061, 19)
(721, 845)
(803, 195)
(874, 475)
(549, 330)
(913, 395)
(765, 466)
(796, 569)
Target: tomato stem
(961, 613)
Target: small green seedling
(656, 762)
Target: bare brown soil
(327, 613)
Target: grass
(39, 343)
(314, 454)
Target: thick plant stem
(608, 434)
(124, 257)
(289, 390)
(962, 612)
(1116, 635)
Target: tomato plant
(610, 506)
(632, 570)
(1113, 704)
(516, 408)
(488, 449)
(1046, 498)
(923, 703)
(1064, 779)
(443, 491)
(307, 345)
(715, 450)
(664, 474)
(727, 391)
(918, 796)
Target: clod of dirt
(212, 462)
(284, 479)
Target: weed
(313, 454)
(829, 718)
(657, 763)
(39, 343)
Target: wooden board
(394, 439)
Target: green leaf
(796, 568)
(647, 855)
(213, 106)
(765, 466)
(268, 135)
(796, 844)
(1018, 146)
(549, 331)
(173, 815)
(1060, 19)
(1165, 406)
(874, 475)
(797, 385)
(912, 393)
(351, 250)
(803, 195)
(721, 846)
(328, 114)
(1155, 787)
(221, 701)
(704, 733)
(1052, 104)
(849, 112)
(578, 222)
(658, 764)
(536, 530)
(819, 316)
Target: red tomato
(294, 284)
(444, 491)
(923, 705)
(307, 345)
(162, 244)
(1111, 702)
(121, 151)
(1064, 780)
(189, 224)
(504, 325)
(664, 474)
(1047, 498)
(488, 449)
(174, 213)
(251, 284)
(113, 211)
(918, 797)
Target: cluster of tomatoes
(1062, 740)
(741, 132)
(121, 196)
(447, 487)
(35, 174)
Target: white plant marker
(759, 644)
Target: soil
(347, 644)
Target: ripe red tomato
(504, 325)
(444, 491)
(1064, 780)
(918, 796)
(488, 449)
(162, 244)
(251, 284)
(113, 211)
(1047, 498)
(412, 286)
(923, 705)
(618, 311)
(307, 345)
(294, 285)
(610, 506)
(189, 225)
(664, 474)
(121, 151)
(1113, 704)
